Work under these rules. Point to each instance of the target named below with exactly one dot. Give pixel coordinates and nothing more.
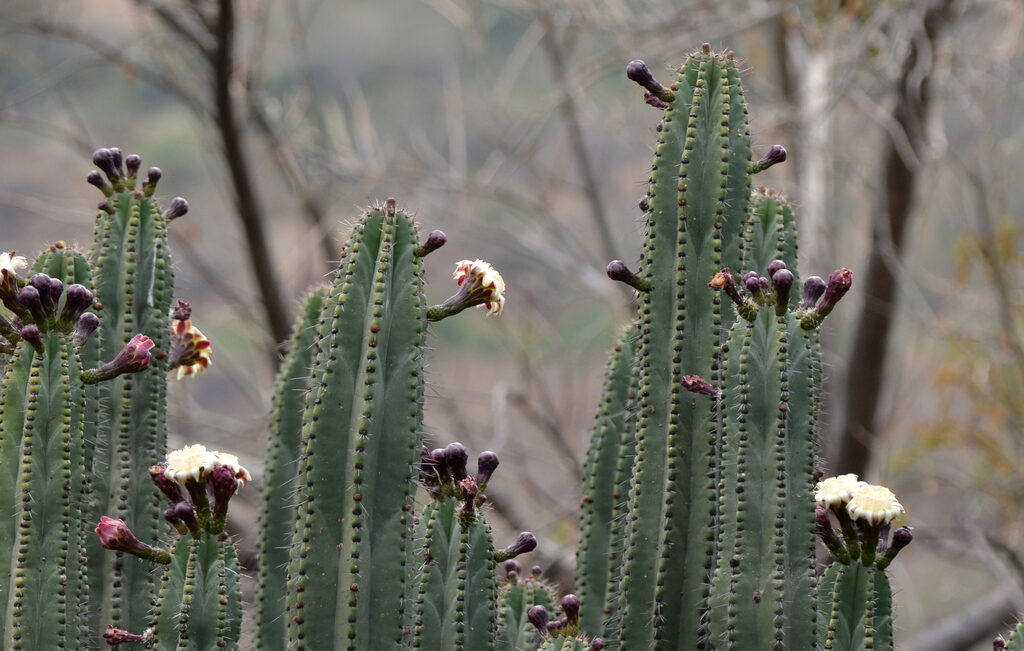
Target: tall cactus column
(134, 284)
(696, 206)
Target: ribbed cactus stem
(697, 204)
(857, 607)
(277, 507)
(516, 596)
(360, 434)
(134, 284)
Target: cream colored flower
(485, 285)
(10, 263)
(875, 505)
(190, 349)
(231, 461)
(190, 462)
(836, 491)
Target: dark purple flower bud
(30, 299)
(104, 206)
(653, 100)
(783, 280)
(697, 384)
(644, 204)
(456, 458)
(178, 207)
(95, 178)
(223, 485)
(104, 159)
(182, 311)
(153, 175)
(50, 290)
(524, 543)
(115, 535)
(133, 358)
(165, 484)
(617, 270)
(435, 240)
(777, 154)
(538, 616)
(638, 72)
(171, 515)
(86, 325)
(115, 637)
(774, 266)
(187, 514)
(839, 282)
(571, 608)
(440, 465)
(78, 300)
(901, 537)
(486, 464)
(536, 571)
(117, 158)
(133, 162)
(513, 567)
(814, 287)
(33, 336)
(596, 644)
(999, 643)
(752, 282)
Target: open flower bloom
(9, 266)
(196, 462)
(875, 505)
(190, 349)
(837, 491)
(480, 285)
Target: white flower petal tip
(837, 491)
(875, 505)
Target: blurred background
(509, 125)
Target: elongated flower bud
(486, 464)
(814, 287)
(524, 543)
(77, 301)
(435, 240)
(617, 270)
(133, 358)
(115, 535)
(637, 71)
(84, 327)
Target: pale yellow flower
(836, 491)
(10, 263)
(484, 279)
(190, 462)
(875, 505)
(230, 461)
(190, 349)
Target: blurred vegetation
(509, 125)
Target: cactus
(1014, 643)
(516, 596)
(456, 600)
(44, 586)
(199, 606)
(134, 284)
(276, 506)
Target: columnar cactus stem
(134, 283)
(516, 596)
(277, 507)
(360, 435)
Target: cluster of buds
(568, 625)
(122, 173)
(774, 290)
(190, 349)
(41, 304)
(444, 474)
(514, 570)
(866, 515)
(190, 479)
(479, 284)
(655, 94)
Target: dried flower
(190, 349)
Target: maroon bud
(653, 100)
(774, 266)
(96, 178)
(617, 270)
(486, 464)
(538, 616)
(182, 311)
(164, 484)
(30, 299)
(783, 280)
(104, 159)
(513, 567)
(171, 515)
(638, 72)
(900, 539)
(524, 543)
(135, 357)
(31, 334)
(596, 644)
(644, 204)
(153, 175)
(775, 155)
(571, 608)
(86, 325)
(536, 571)
(456, 458)
(115, 535)
(697, 384)
(814, 287)
(105, 206)
(440, 465)
(187, 514)
(133, 163)
(115, 637)
(178, 207)
(999, 643)
(117, 158)
(78, 300)
(839, 282)
(223, 485)
(435, 240)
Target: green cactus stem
(856, 608)
(360, 434)
(134, 284)
(696, 207)
(605, 485)
(516, 596)
(277, 508)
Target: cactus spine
(277, 509)
(134, 283)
